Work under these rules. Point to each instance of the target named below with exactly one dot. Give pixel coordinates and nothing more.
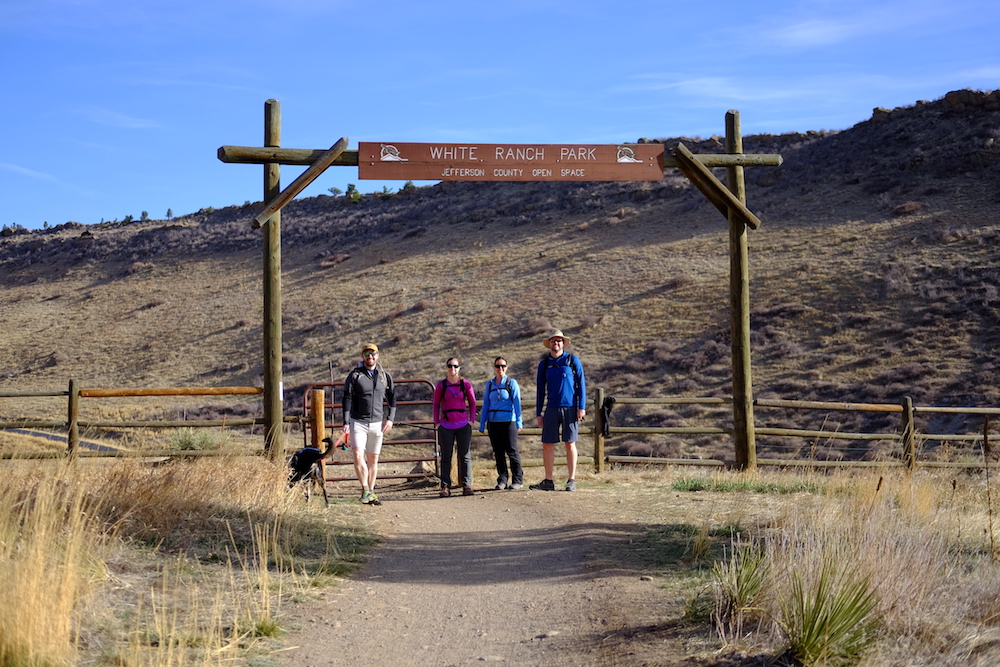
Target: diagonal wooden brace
(712, 188)
(300, 183)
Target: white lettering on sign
(574, 172)
(544, 173)
(457, 172)
(508, 173)
(577, 153)
(453, 152)
(520, 153)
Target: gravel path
(519, 577)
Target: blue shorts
(556, 419)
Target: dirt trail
(519, 577)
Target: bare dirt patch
(522, 578)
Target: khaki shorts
(367, 436)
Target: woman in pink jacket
(454, 414)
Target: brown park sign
(510, 162)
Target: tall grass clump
(878, 570)
(50, 550)
(197, 439)
(740, 582)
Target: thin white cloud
(707, 88)
(987, 72)
(841, 23)
(815, 33)
(115, 119)
(24, 171)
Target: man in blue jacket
(560, 407)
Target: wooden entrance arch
(514, 163)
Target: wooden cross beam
(713, 189)
(300, 183)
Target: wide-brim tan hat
(555, 334)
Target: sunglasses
(370, 354)
(500, 366)
(453, 366)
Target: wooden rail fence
(906, 441)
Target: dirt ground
(515, 577)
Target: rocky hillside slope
(873, 277)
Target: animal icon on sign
(391, 154)
(626, 154)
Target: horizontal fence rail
(905, 444)
(73, 423)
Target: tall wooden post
(72, 423)
(739, 306)
(599, 431)
(909, 434)
(273, 386)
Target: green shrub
(196, 439)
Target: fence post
(599, 431)
(909, 437)
(72, 420)
(317, 417)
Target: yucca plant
(834, 622)
(739, 583)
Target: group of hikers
(369, 404)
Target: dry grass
(193, 562)
(185, 563)
(49, 559)
(921, 540)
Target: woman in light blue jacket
(501, 417)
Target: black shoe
(544, 485)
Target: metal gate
(414, 425)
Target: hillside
(873, 276)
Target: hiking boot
(500, 486)
(467, 491)
(544, 485)
(516, 486)
(571, 485)
(366, 497)
(444, 492)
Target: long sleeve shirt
(454, 404)
(560, 383)
(501, 402)
(364, 394)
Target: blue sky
(115, 107)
